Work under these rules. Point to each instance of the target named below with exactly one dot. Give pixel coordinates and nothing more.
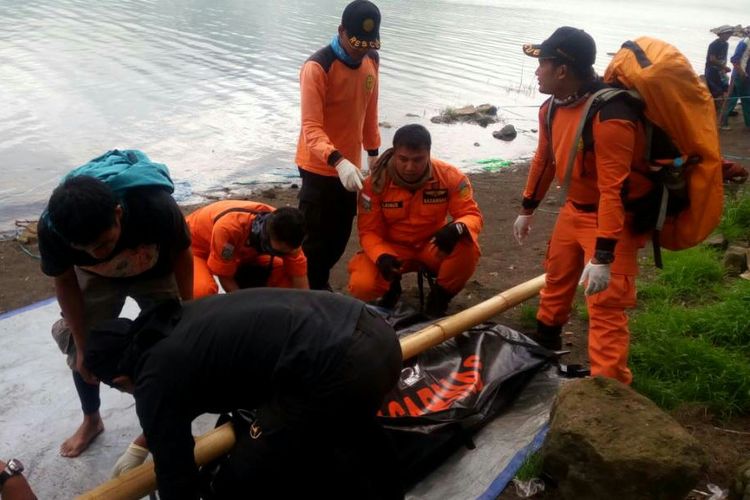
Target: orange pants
(453, 271)
(572, 245)
(205, 284)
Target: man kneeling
(403, 224)
(315, 365)
(246, 245)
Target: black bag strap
(640, 55)
(592, 106)
(240, 209)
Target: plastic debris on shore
(527, 489)
(494, 164)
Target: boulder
(740, 489)
(735, 260)
(607, 441)
(484, 120)
(717, 241)
(507, 133)
(487, 109)
(465, 111)
(484, 114)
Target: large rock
(507, 133)
(487, 109)
(717, 241)
(484, 114)
(607, 441)
(741, 487)
(735, 260)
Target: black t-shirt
(718, 48)
(152, 228)
(235, 351)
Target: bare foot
(76, 444)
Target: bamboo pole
(141, 481)
(450, 326)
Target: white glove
(371, 161)
(133, 457)
(521, 227)
(597, 276)
(350, 175)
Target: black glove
(445, 239)
(389, 267)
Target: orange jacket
(339, 111)
(220, 234)
(603, 178)
(399, 216)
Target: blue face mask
(341, 53)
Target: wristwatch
(12, 468)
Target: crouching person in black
(315, 365)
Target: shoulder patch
(227, 252)
(464, 189)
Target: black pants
(88, 394)
(323, 440)
(329, 210)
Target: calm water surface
(210, 87)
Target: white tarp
(39, 409)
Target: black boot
(437, 302)
(390, 298)
(548, 336)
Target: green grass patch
(672, 370)
(531, 467)
(735, 223)
(580, 309)
(692, 275)
(691, 331)
(527, 316)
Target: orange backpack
(679, 104)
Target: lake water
(210, 87)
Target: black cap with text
(361, 20)
(567, 45)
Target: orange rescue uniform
(401, 223)
(220, 233)
(603, 180)
(339, 107)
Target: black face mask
(260, 237)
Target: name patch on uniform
(435, 196)
(227, 252)
(391, 204)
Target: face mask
(260, 238)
